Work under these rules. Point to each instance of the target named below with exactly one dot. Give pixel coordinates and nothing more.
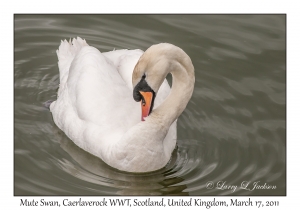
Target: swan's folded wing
(97, 92)
(94, 103)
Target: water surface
(233, 130)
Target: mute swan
(96, 110)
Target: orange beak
(146, 103)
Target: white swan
(95, 106)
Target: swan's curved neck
(183, 80)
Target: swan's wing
(95, 106)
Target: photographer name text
(245, 185)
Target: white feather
(96, 110)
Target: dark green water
(232, 132)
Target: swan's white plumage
(95, 108)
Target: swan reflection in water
(92, 169)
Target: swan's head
(144, 93)
(149, 73)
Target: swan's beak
(146, 103)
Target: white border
(154, 6)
